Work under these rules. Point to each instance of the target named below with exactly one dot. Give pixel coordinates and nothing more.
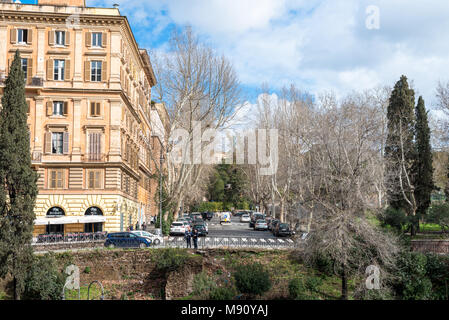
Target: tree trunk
(16, 291)
(344, 284)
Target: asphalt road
(235, 229)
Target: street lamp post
(160, 193)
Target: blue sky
(319, 45)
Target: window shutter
(88, 39)
(87, 71)
(29, 69)
(51, 38)
(67, 38)
(50, 67)
(13, 35)
(60, 175)
(66, 143)
(66, 108)
(91, 180)
(104, 68)
(30, 36)
(49, 108)
(104, 39)
(67, 70)
(53, 179)
(97, 179)
(97, 109)
(92, 109)
(47, 142)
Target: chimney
(69, 3)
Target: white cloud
(316, 44)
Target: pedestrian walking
(195, 239)
(144, 226)
(131, 228)
(188, 237)
(137, 225)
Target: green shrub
(203, 285)
(170, 259)
(252, 279)
(299, 289)
(87, 270)
(439, 214)
(323, 264)
(397, 219)
(43, 280)
(437, 270)
(412, 282)
(222, 293)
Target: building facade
(88, 87)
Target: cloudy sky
(316, 44)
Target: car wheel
(157, 242)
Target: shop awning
(69, 220)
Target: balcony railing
(94, 157)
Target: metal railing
(233, 242)
(70, 237)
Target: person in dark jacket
(195, 239)
(188, 236)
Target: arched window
(55, 212)
(93, 211)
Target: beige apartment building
(88, 86)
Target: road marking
(234, 239)
(271, 240)
(253, 240)
(244, 239)
(281, 241)
(290, 240)
(262, 240)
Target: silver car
(245, 218)
(261, 225)
(156, 240)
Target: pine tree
(18, 188)
(400, 152)
(424, 165)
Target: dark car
(273, 224)
(207, 215)
(255, 217)
(202, 231)
(126, 240)
(239, 213)
(283, 230)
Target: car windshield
(245, 216)
(283, 225)
(177, 224)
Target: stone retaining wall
(435, 246)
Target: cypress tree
(18, 189)
(400, 143)
(424, 165)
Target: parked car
(202, 229)
(196, 216)
(254, 217)
(283, 230)
(273, 224)
(126, 240)
(239, 213)
(245, 218)
(261, 224)
(178, 228)
(155, 239)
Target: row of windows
(58, 38)
(60, 108)
(57, 143)
(57, 179)
(59, 69)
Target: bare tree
(345, 145)
(197, 86)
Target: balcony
(94, 157)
